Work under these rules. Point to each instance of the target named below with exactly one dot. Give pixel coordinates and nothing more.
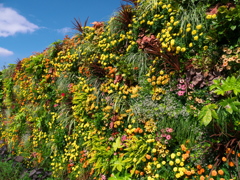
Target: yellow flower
(178, 154)
(208, 16)
(158, 166)
(171, 163)
(178, 175)
(181, 163)
(205, 48)
(183, 49)
(188, 29)
(173, 156)
(175, 169)
(194, 32)
(199, 26)
(190, 45)
(175, 23)
(214, 16)
(172, 42)
(163, 162)
(154, 150)
(195, 38)
(188, 25)
(178, 48)
(177, 161)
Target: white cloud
(65, 30)
(11, 22)
(5, 52)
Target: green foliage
(207, 113)
(221, 86)
(117, 177)
(12, 171)
(231, 105)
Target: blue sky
(30, 26)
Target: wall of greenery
(153, 93)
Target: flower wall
(153, 93)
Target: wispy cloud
(65, 30)
(11, 22)
(5, 52)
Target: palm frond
(78, 25)
(124, 16)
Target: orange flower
(202, 177)
(224, 159)
(228, 150)
(183, 147)
(185, 156)
(148, 156)
(221, 179)
(238, 154)
(209, 166)
(231, 164)
(199, 166)
(137, 171)
(211, 179)
(221, 172)
(214, 173)
(188, 173)
(140, 131)
(200, 171)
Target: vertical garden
(153, 93)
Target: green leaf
(117, 144)
(119, 167)
(230, 105)
(118, 164)
(207, 113)
(233, 27)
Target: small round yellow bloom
(171, 163)
(175, 169)
(172, 42)
(181, 163)
(205, 48)
(190, 45)
(188, 29)
(177, 161)
(214, 16)
(163, 162)
(178, 48)
(173, 156)
(194, 32)
(183, 49)
(154, 150)
(199, 26)
(161, 72)
(158, 166)
(208, 16)
(195, 38)
(178, 175)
